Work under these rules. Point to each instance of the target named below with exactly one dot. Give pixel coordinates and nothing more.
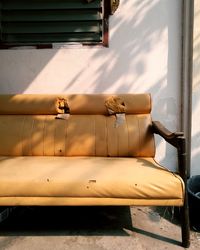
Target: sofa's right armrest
(170, 137)
(176, 139)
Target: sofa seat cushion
(88, 177)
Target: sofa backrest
(28, 126)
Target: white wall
(195, 145)
(143, 56)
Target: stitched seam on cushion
(154, 143)
(22, 136)
(44, 126)
(150, 101)
(44, 129)
(31, 146)
(54, 137)
(95, 150)
(139, 135)
(94, 197)
(118, 131)
(129, 153)
(174, 174)
(65, 137)
(106, 127)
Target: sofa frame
(32, 103)
(178, 140)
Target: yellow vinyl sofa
(86, 160)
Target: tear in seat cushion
(86, 178)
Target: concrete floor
(92, 228)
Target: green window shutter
(0, 21)
(47, 21)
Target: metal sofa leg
(185, 224)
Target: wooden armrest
(169, 136)
(177, 140)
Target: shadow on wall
(19, 68)
(144, 56)
(195, 97)
(131, 63)
(136, 61)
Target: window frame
(106, 12)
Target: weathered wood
(177, 140)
